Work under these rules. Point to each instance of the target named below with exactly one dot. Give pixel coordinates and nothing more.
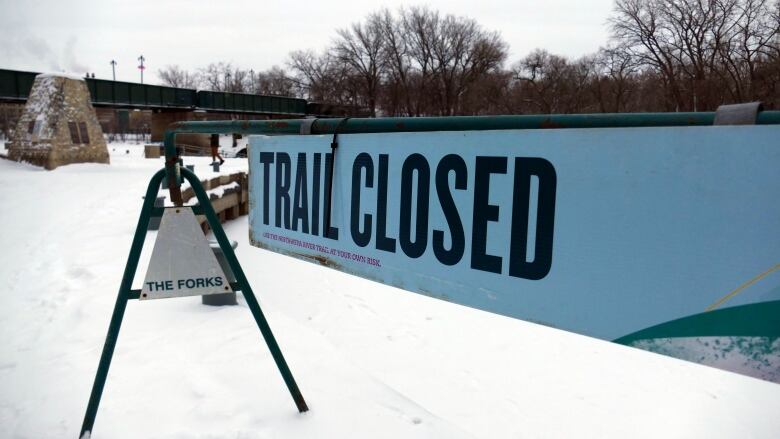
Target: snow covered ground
(372, 361)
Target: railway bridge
(172, 104)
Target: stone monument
(59, 125)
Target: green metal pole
(457, 123)
(121, 303)
(174, 187)
(246, 289)
(172, 168)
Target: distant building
(59, 125)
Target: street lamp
(141, 67)
(227, 81)
(113, 69)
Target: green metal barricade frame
(175, 174)
(127, 293)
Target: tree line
(662, 55)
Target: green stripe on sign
(754, 320)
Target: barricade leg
(121, 304)
(246, 290)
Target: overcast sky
(82, 36)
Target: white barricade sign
(182, 262)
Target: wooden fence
(233, 202)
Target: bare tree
(175, 76)
(642, 28)
(420, 27)
(707, 51)
(462, 54)
(238, 81)
(325, 78)
(215, 76)
(444, 57)
(551, 83)
(750, 43)
(360, 47)
(274, 81)
(614, 83)
(311, 73)
(395, 52)
(663, 55)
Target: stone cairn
(59, 125)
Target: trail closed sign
(661, 238)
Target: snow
(226, 148)
(43, 97)
(220, 190)
(371, 360)
(61, 75)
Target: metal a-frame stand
(173, 172)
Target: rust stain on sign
(548, 123)
(280, 124)
(319, 259)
